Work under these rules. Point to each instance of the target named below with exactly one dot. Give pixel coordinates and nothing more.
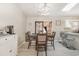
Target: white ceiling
(55, 9)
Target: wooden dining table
(34, 35)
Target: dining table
(33, 35)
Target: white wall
(10, 14)
(30, 24)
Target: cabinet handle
(10, 50)
(5, 39)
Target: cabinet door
(3, 41)
(3, 51)
(8, 46)
(12, 45)
(10, 51)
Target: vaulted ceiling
(55, 9)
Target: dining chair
(41, 43)
(27, 36)
(30, 38)
(51, 38)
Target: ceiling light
(69, 6)
(44, 10)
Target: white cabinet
(8, 45)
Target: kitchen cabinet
(8, 45)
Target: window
(72, 24)
(68, 24)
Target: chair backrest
(27, 35)
(63, 35)
(41, 38)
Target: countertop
(3, 35)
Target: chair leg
(36, 46)
(46, 51)
(51, 42)
(37, 51)
(29, 44)
(53, 45)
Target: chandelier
(43, 9)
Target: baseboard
(21, 44)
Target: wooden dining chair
(27, 36)
(51, 38)
(41, 43)
(30, 39)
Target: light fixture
(69, 6)
(44, 10)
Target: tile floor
(60, 50)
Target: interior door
(38, 26)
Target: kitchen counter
(3, 35)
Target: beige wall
(11, 15)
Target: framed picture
(58, 22)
